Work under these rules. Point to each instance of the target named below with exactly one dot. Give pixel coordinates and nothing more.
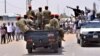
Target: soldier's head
(25, 16)
(57, 16)
(52, 16)
(77, 7)
(30, 8)
(40, 9)
(46, 7)
(18, 18)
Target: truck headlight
(84, 37)
(84, 32)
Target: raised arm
(69, 7)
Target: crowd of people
(10, 32)
(80, 17)
(42, 20)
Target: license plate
(95, 36)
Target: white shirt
(9, 28)
(66, 24)
(17, 30)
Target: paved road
(70, 48)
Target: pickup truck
(89, 33)
(42, 38)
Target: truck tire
(78, 41)
(82, 43)
(29, 50)
(59, 44)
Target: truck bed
(40, 36)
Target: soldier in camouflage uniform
(31, 13)
(39, 16)
(46, 15)
(24, 24)
(21, 24)
(54, 23)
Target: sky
(55, 6)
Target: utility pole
(47, 2)
(26, 5)
(5, 6)
(94, 7)
(58, 8)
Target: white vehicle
(89, 32)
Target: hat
(18, 18)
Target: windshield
(91, 25)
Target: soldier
(61, 30)
(46, 15)
(30, 12)
(47, 26)
(29, 22)
(23, 24)
(39, 18)
(54, 23)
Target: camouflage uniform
(30, 24)
(39, 16)
(47, 16)
(54, 23)
(22, 25)
(30, 13)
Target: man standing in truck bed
(46, 15)
(39, 18)
(31, 13)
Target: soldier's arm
(50, 13)
(36, 15)
(27, 13)
(33, 14)
(58, 25)
(43, 14)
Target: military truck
(43, 38)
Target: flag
(94, 7)
(87, 10)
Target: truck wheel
(29, 50)
(78, 41)
(60, 44)
(82, 43)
